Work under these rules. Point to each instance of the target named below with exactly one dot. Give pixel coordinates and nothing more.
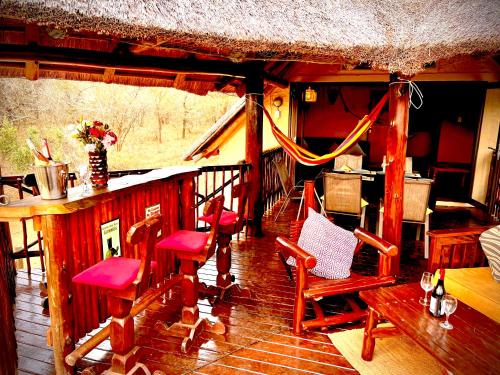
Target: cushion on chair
(332, 246)
(226, 218)
(490, 242)
(113, 273)
(185, 241)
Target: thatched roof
(394, 35)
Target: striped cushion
(490, 242)
(332, 246)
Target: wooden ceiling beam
(275, 81)
(225, 81)
(108, 75)
(179, 81)
(32, 70)
(101, 60)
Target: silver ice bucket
(52, 180)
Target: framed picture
(153, 210)
(110, 237)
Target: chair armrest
(296, 252)
(383, 246)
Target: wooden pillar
(187, 203)
(397, 137)
(8, 354)
(309, 198)
(253, 149)
(55, 235)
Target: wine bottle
(436, 306)
(38, 155)
(45, 149)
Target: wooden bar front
(72, 242)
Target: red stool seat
(184, 241)
(115, 273)
(226, 218)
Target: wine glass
(84, 177)
(450, 305)
(426, 284)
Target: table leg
(368, 339)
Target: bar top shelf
(35, 206)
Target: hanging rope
(306, 157)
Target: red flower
(97, 123)
(94, 132)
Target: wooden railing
(216, 180)
(271, 188)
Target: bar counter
(73, 241)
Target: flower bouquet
(97, 137)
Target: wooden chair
(342, 195)
(123, 280)
(350, 161)
(415, 208)
(230, 223)
(193, 249)
(309, 288)
(287, 185)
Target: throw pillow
(490, 242)
(332, 246)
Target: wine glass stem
(425, 299)
(447, 318)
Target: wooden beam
(179, 80)
(397, 137)
(254, 147)
(74, 58)
(32, 70)
(8, 355)
(108, 75)
(275, 80)
(224, 82)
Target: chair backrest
(213, 207)
(409, 165)
(144, 234)
(352, 161)
(416, 199)
(342, 192)
(283, 175)
(241, 192)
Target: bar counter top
(35, 206)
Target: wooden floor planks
(258, 338)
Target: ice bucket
(52, 180)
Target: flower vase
(98, 162)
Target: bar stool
(230, 223)
(193, 249)
(123, 280)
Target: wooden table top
(34, 206)
(471, 347)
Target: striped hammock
(305, 157)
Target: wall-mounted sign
(110, 235)
(155, 209)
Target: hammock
(306, 157)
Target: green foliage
(12, 151)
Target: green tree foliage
(13, 151)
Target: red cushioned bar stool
(230, 223)
(123, 280)
(193, 249)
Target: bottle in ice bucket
(436, 306)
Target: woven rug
(397, 355)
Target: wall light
(310, 95)
(277, 102)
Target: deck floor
(258, 338)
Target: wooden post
(309, 197)
(54, 228)
(187, 203)
(395, 169)
(253, 149)
(8, 355)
